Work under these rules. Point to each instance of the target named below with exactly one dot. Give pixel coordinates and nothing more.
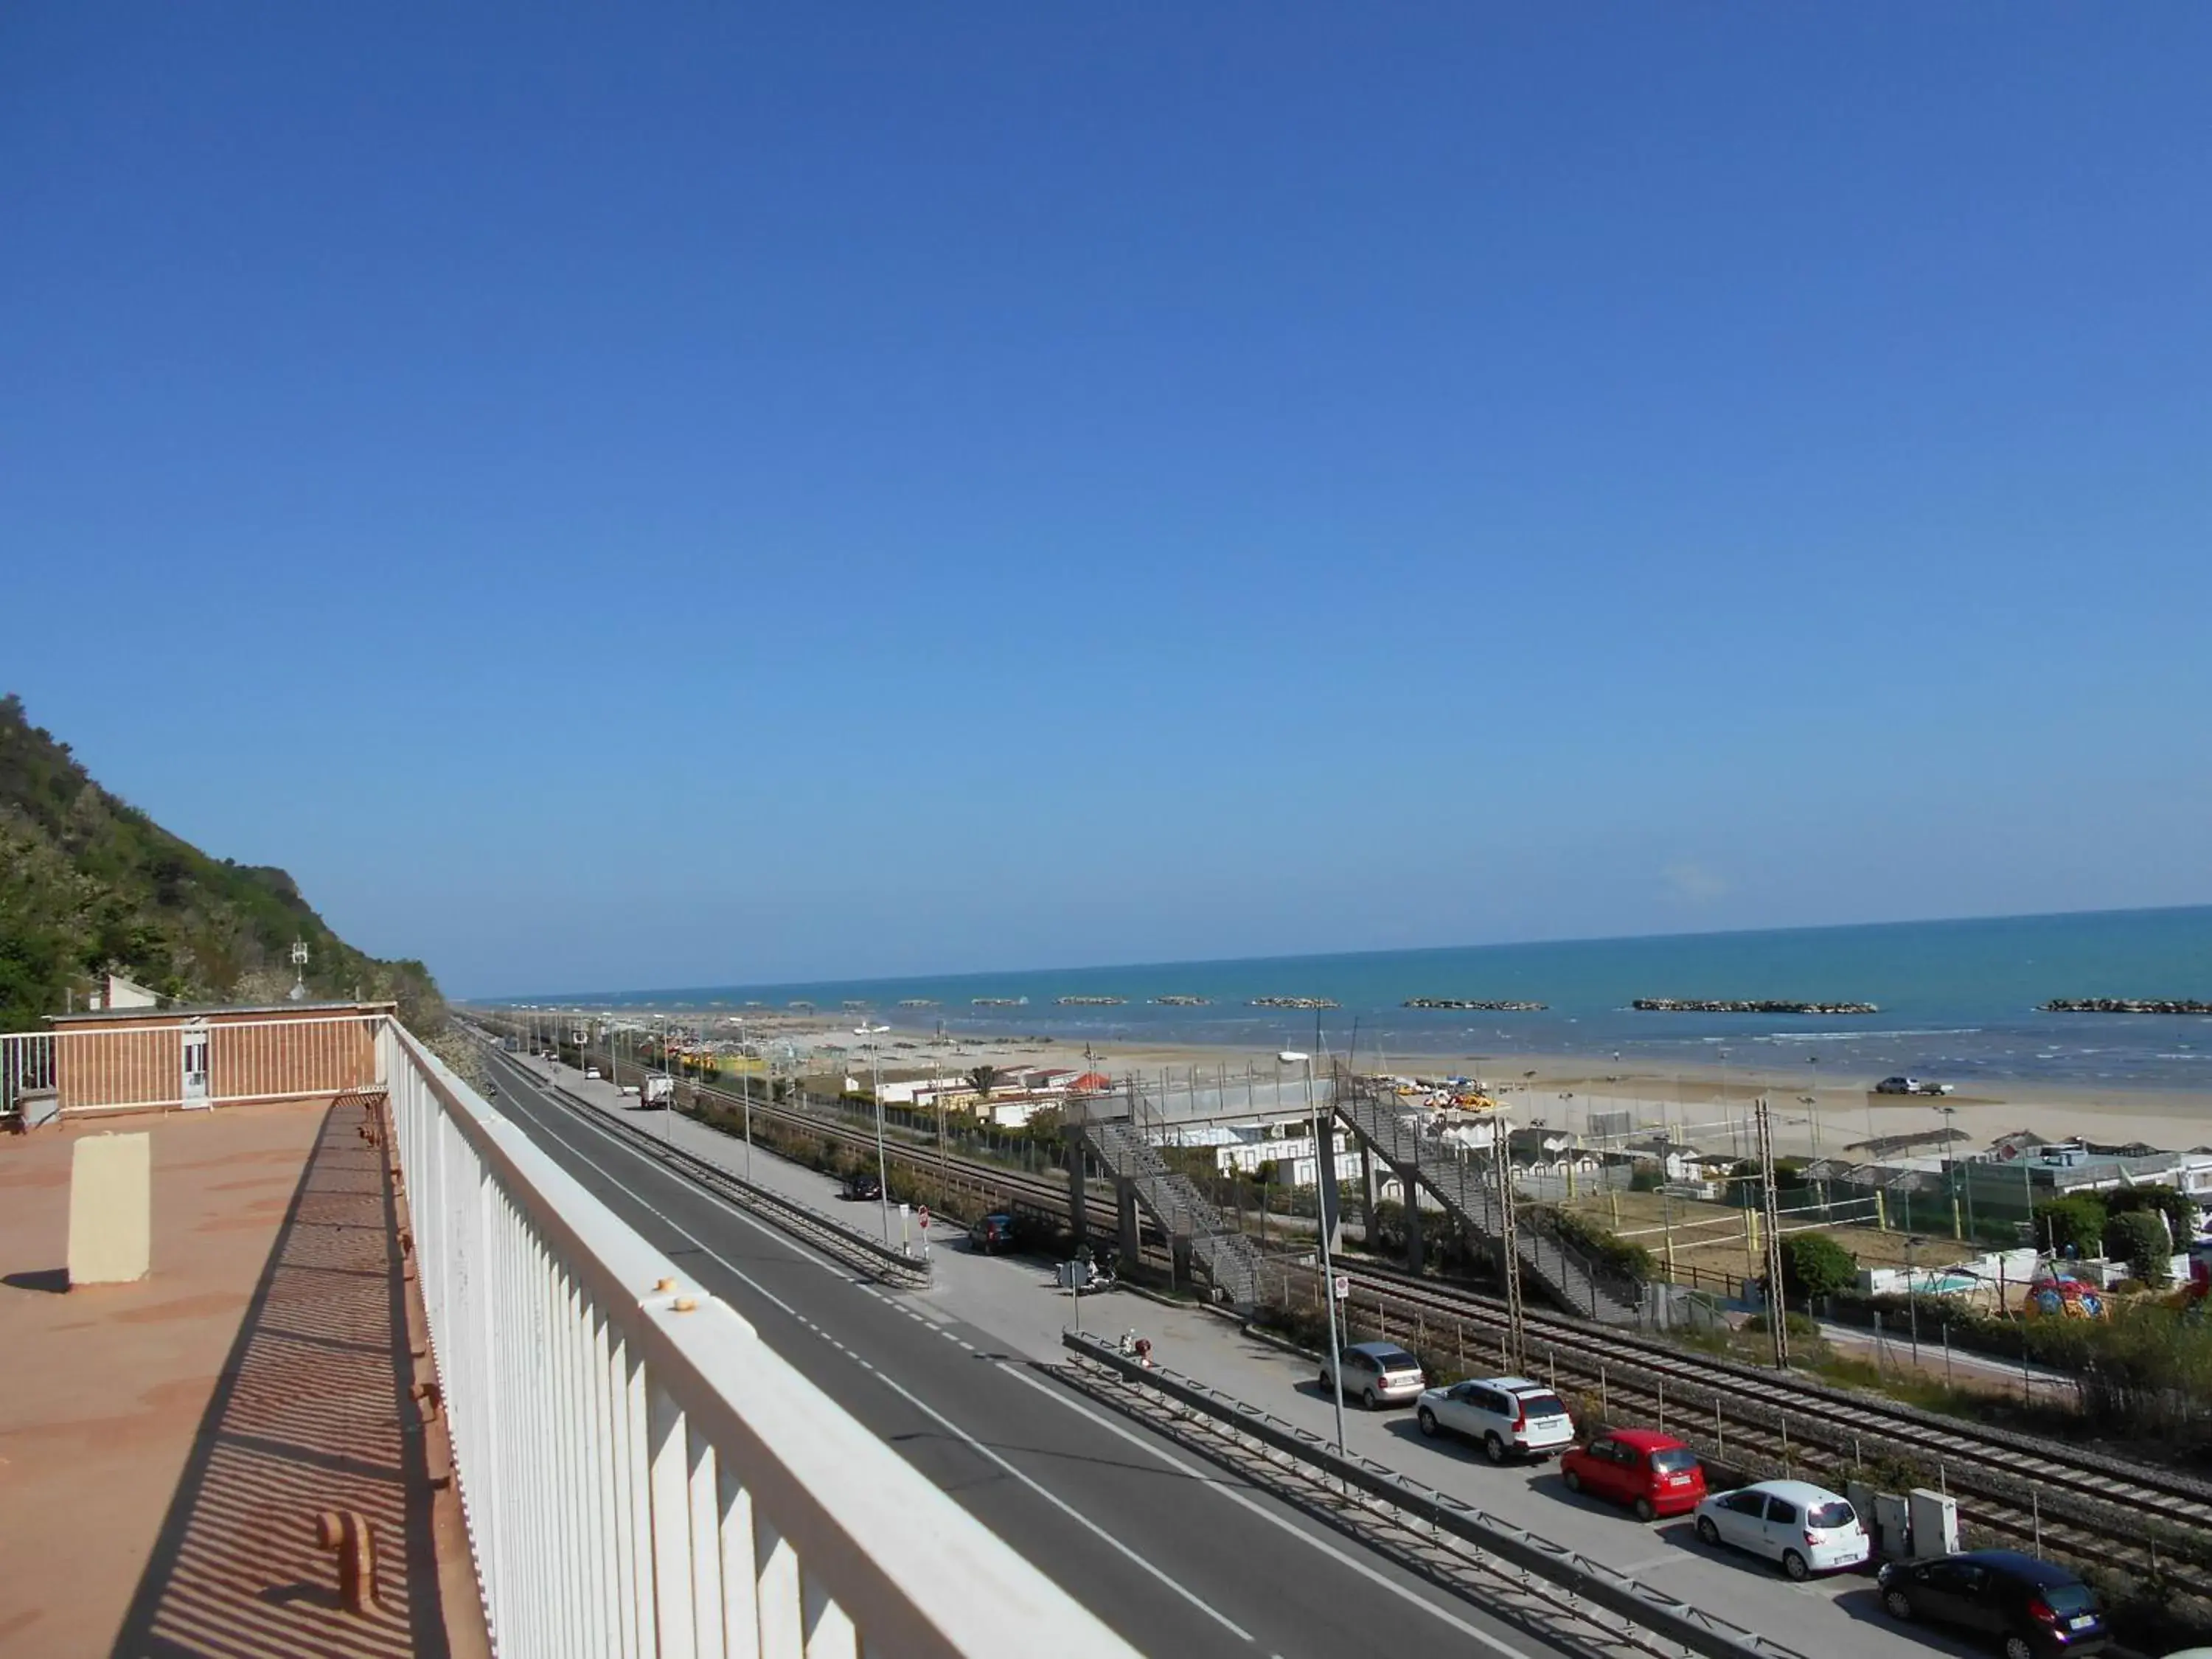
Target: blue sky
(713, 493)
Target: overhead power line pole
(1778, 1308)
(1509, 1243)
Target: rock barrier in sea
(2126, 1005)
(1464, 1005)
(1293, 1002)
(1181, 1000)
(1759, 1005)
(1089, 1002)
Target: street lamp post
(876, 1089)
(1292, 1057)
(1913, 1294)
(1951, 1167)
(745, 1094)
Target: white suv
(1509, 1415)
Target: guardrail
(639, 1471)
(1697, 1630)
(846, 1242)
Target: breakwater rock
(1733, 1006)
(1180, 1000)
(999, 1002)
(1292, 1002)
(1467, 1006)
(2126, 1005)
(1089, 1002)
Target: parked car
(1808, 1528)
(2032, 1608)
(863, 1183)
(1911, 1085)
(630, 1091)
(1511, 1416)
(1378, 1374)
(590, 1074)
(992, 1234)
(1653, 1474)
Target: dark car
(992, 1234)
(2031, 1608)
(863, 1183)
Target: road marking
(1211, 1479)
(922, 1406)
(1082, 1520)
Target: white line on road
(1212, 1483)
(916, 1400)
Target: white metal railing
(216, 1060)
(26, 1064)
(641, 1474)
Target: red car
(1653, 1474)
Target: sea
(1959, 1000)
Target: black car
(861, 1184)
(2032, 1609)
(993, 1233)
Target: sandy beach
(1705, 1104)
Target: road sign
(923, 1216)
(1343, 1288)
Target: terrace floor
(166, 1446)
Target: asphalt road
(1174, 1554)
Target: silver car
(1378, 1374)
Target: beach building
(2019, 1173)
(1292, 1155)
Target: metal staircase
(1465, 1191)
(1230, 1261)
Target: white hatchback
(1511, 1416)
(1808, 1528)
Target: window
(1782, 1510)
(1674, 1459)
(1835, 1514)
(1746, 1503)
(1605, 1451)
(1542, 1405)
(2068, 1598)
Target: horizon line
(1407, 950)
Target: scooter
(1102, 1274)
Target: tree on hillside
(2076, 1222)
(1813, 1264)
(2138, 1238)
(2178, 1207)
(90, 885)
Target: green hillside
(89, 884)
